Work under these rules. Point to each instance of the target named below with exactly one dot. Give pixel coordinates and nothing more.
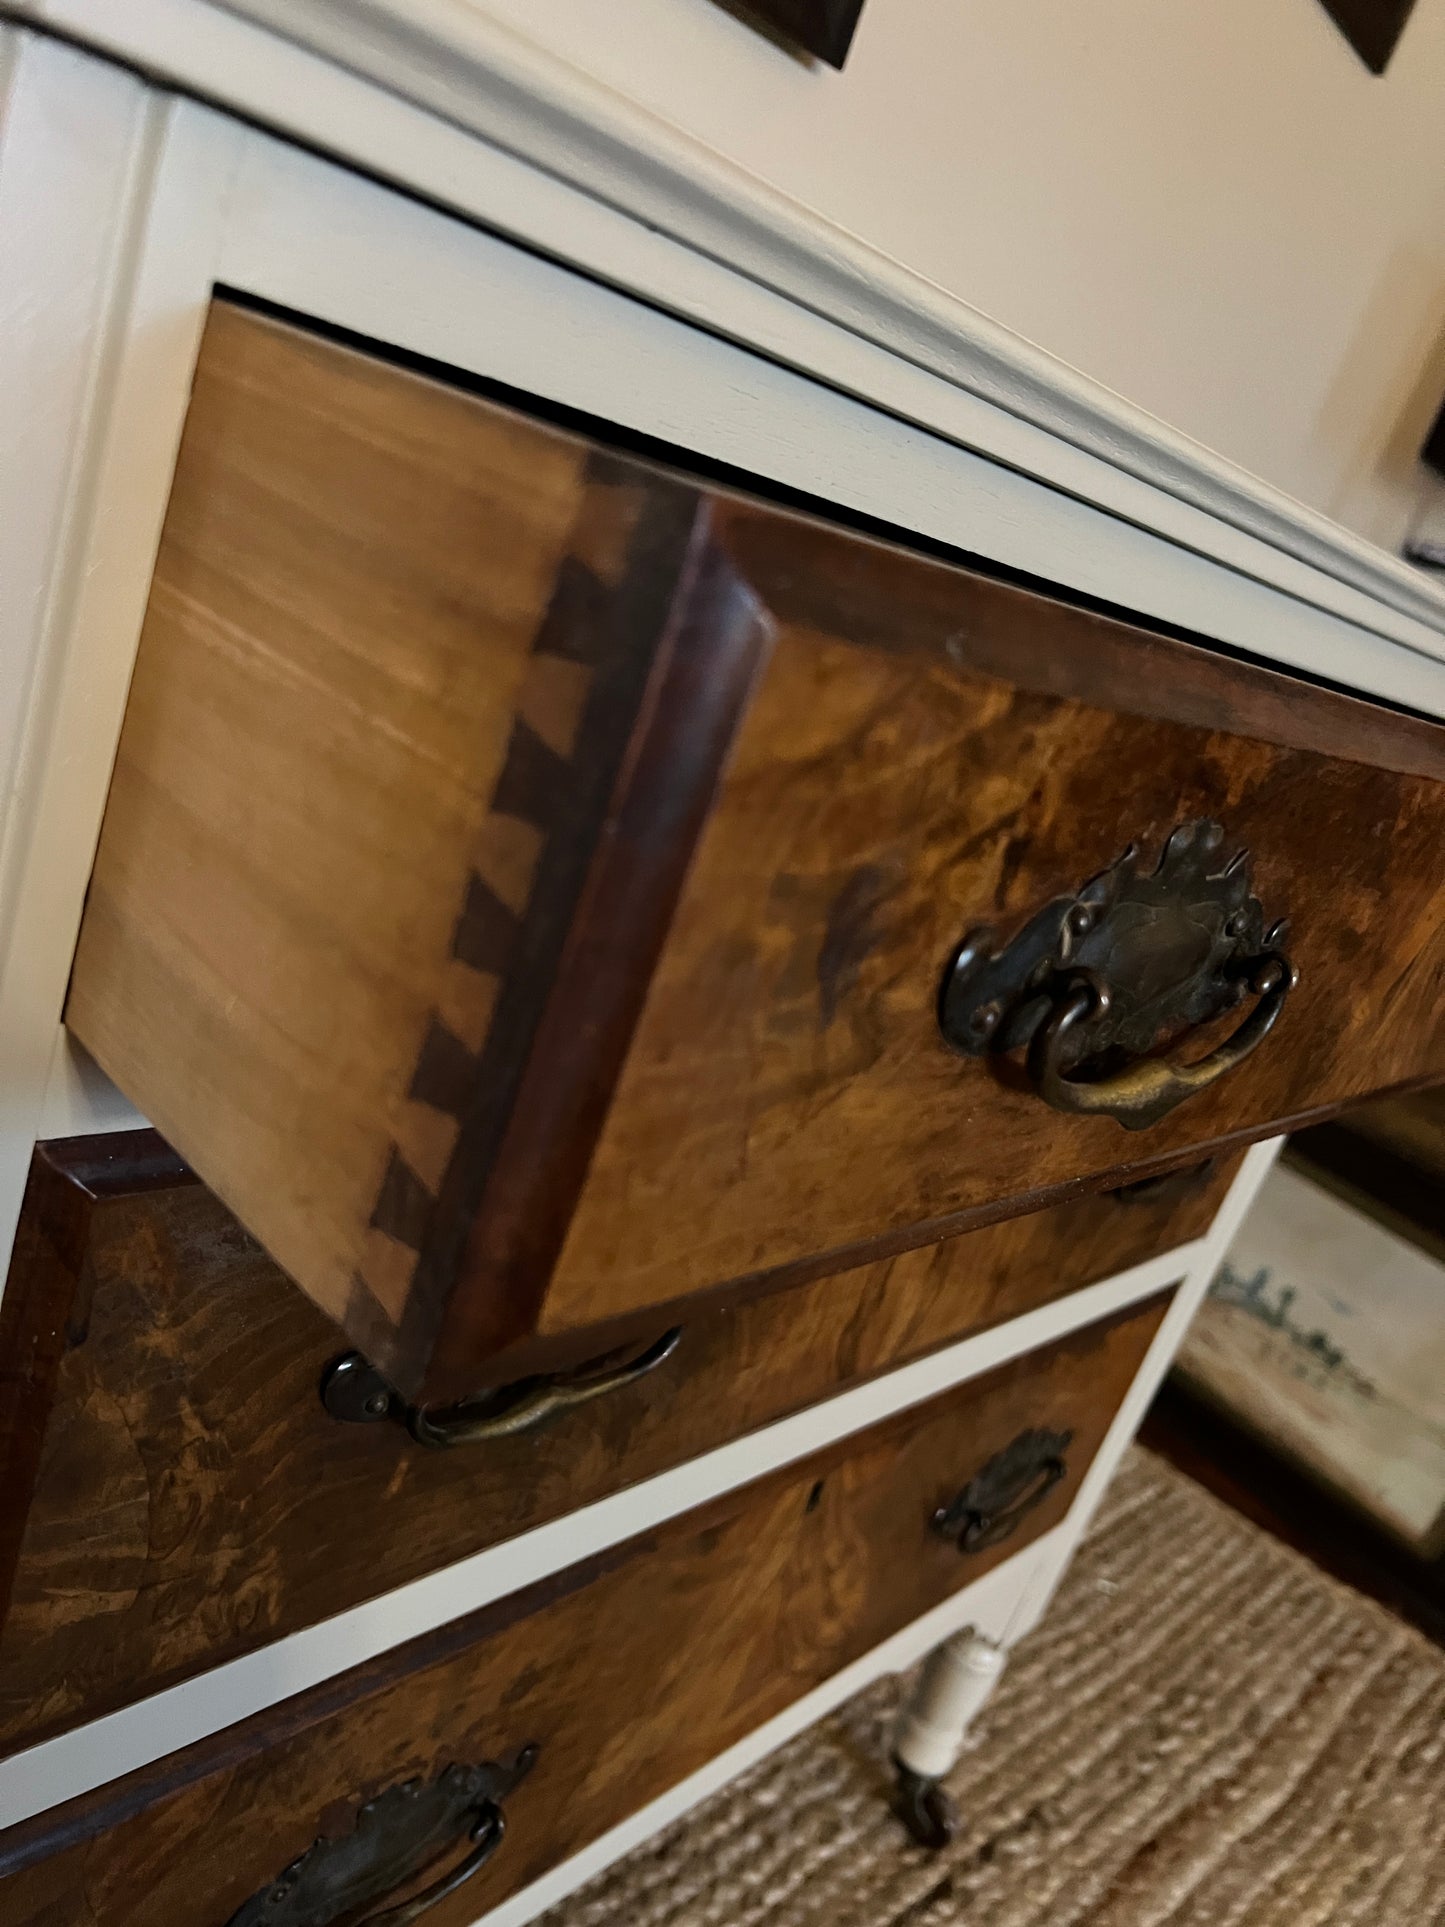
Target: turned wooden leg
(957, 1678)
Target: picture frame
(1317, 1339)
(823, 28)
(1372, 27)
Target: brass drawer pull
(353, 1390)
(996, 1499)
(396, 1837)
(1106, 975)
(1142, 1093)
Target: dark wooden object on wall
(628, 1673)
(169, 1470)
(823, 28)
(523, 958)
(1372, 27)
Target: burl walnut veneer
(626, 1674)
(176, 1494)
(529, 876)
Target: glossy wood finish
(170, 1473)
(629, 1673)
(741, 781)
(787, 1092)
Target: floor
(1206, 1730)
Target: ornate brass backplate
(395, 1838)
(1125, 966)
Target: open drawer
(537, 889)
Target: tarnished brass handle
(1135, 959)
(1150, 1089)
(394, 1839)
(998, 1498)
(486, 1835)
(353, 1390)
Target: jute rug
(1204, 1729)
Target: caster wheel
(924, 1808)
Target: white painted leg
(957, 1678)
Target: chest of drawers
(648, 959)
(530, 879)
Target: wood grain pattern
(787, 1092)
(628, 1674)
(529, 875)
(171, 1472)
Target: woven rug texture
(1204, 1731)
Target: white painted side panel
(1205, 1260)
(75, 143)
(135, 338)
(74, 1762)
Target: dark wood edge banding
(548, 804)
(814, 575)
(559, 1349)
(706, 665)
(44, 1308)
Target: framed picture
(1371, 26)
(823, 28)
(1324, 1336)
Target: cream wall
(1209, 205)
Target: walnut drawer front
(530, 878)
(176, 1494)
(626, 1674)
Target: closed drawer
(176, 1494)
(529, 878)
(626, 1674)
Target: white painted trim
(987, 1605)
(150, 174)
(1206, 1257)
(453, 105)
(75, 1762)
(320, 239)
(76, 146)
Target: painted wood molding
(477, 74)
